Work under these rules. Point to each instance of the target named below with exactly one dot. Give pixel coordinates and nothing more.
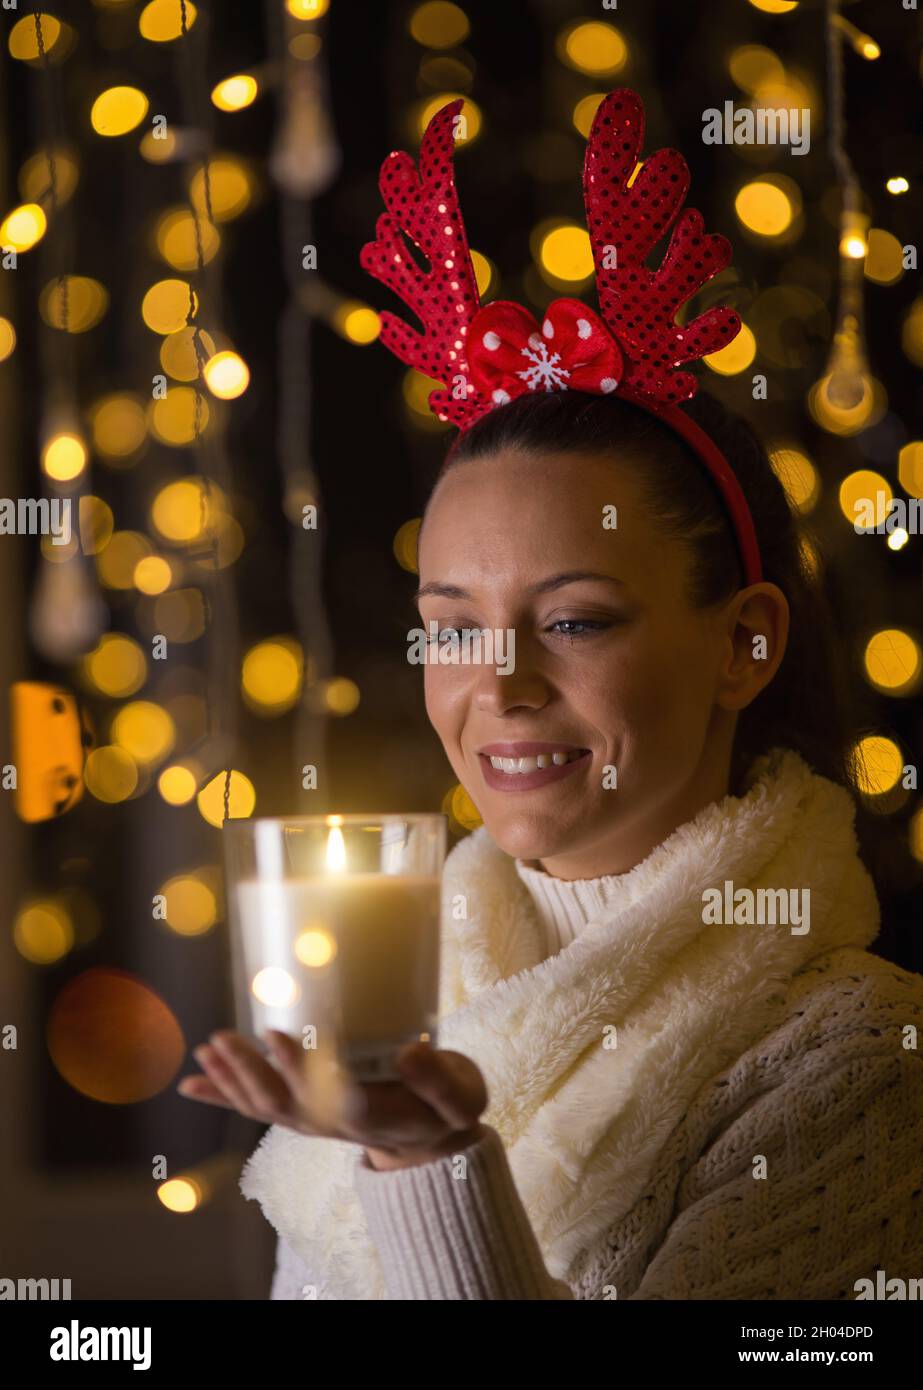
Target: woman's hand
(432, 1112)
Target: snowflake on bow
(544, 369)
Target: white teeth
(543, 760)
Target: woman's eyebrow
(556, 581)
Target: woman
(755, 1130)
(669, 1067)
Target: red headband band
(486, 356)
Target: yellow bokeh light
(161, 20)
(416, 389)
(118, 110)
(229, 189)
(483, 273)
(593, 47)
(752, 66)
(315, 947)
(158, 147)
(110, 774)
(117, 562)
(356, 322)
(405, 545)
(152, 575)
(165, 307)
(764, 208)
(736, 356)
(227, 375)
(897, 539)
(467, 124)
(458, 806)
(235, 92)
(897, 184)
(915, 835)
(438, 24)
(566, 254)
(180, 512)
(179, 356)
(179, 243)
(241, 802)
(96, 522)
(584, 113)
(884, 263)
(853, 246)
(177, 785)
(191, 907)
(861, 487)
(307, 9)
(912, 332)
(118, 426)
(179, 1195)
(341, 695)
(271, 675)
(35, 176)
(64, 457)
(877, 765)
(23, 40)
(910, 468)
(892, 661)
(80, 300)
(7, 339)
(144, 730)
(180, 416)
(116, 667)
(798, 476)
(275, 987)
(43, 932)
(845, 402)
(774, 6)
(23, 227)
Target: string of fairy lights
(174, 575)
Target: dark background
(373, 462)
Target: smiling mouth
(532, 772)
(521, 766)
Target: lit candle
(353, 956)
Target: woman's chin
(526, 840)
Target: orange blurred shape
(113, 1038)
(49, 749)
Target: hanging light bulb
(67, 615)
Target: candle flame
(336, 851)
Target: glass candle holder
(335, 924)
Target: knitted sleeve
(810, 1191)
(455, 1228)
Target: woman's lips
(529, 781)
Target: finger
(266, 1092)
(225, 1078)
(448, 1082)
(393, 1117)
(201, 1088)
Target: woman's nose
(512, 678)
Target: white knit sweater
(743, 1140)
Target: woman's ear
(757, 631)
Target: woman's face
(613, 666)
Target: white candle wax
(358, 953)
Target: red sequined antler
(445, 298)
(639, 305)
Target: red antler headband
(486, 356)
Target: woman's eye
(586, 625)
